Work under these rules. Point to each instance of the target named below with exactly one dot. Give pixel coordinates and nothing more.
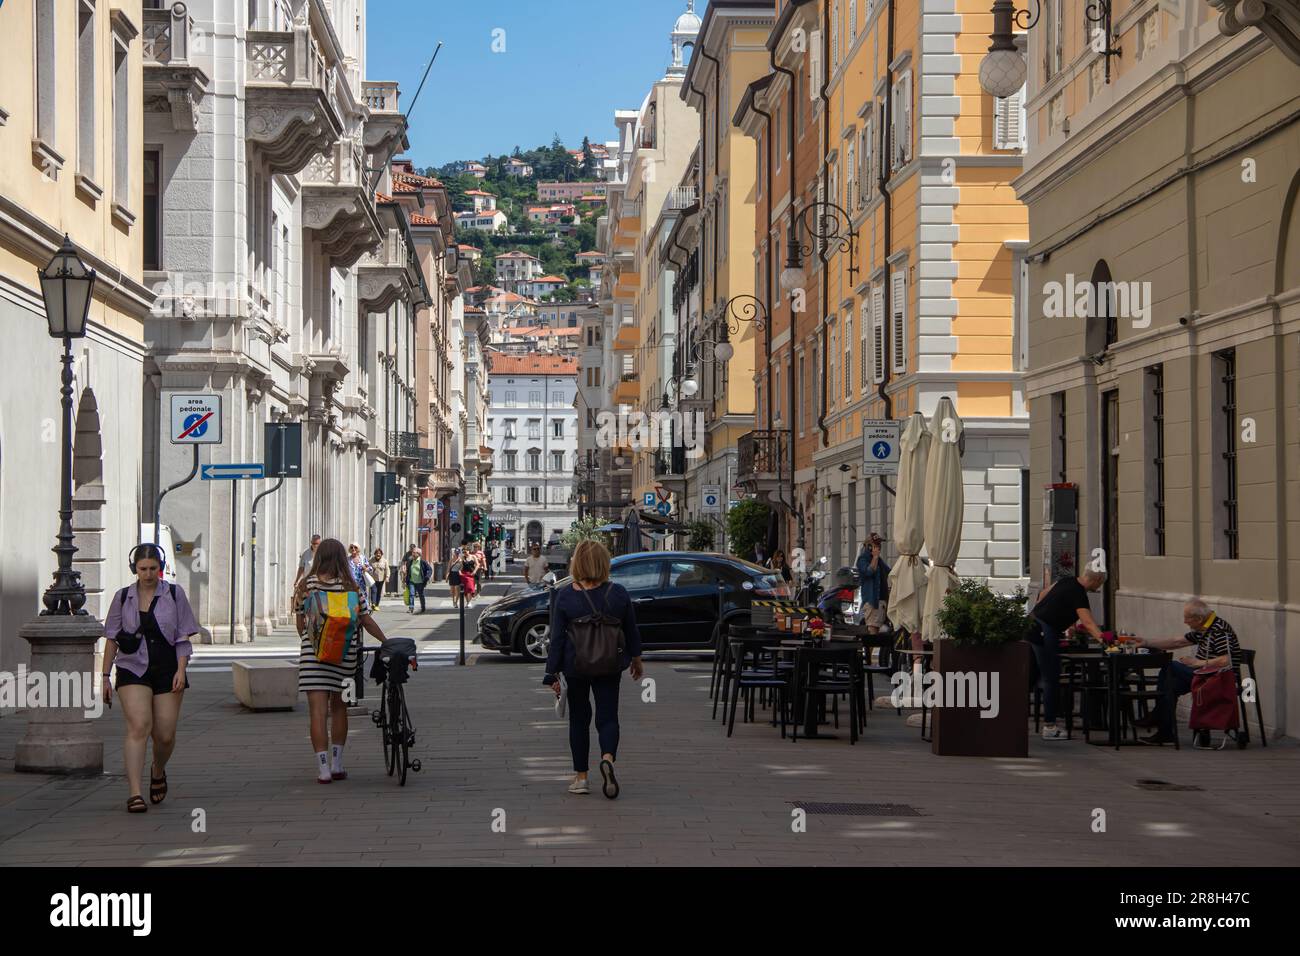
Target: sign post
(880, 446)
(235, 473)
(711, 500)
(282, 448)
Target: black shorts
(160, 673)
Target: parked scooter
(810, 589)
(842, 601)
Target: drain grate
(1164, 785)
(858, 809)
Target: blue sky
(567, 65)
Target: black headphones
(150, 551)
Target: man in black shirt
(1058, 608)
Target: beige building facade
(1163, 280)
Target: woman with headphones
(149, 627)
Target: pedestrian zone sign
(711, 500)
(196, 419)
(880, 446)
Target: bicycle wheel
(402, 737)
(393, 705)
(380, 718)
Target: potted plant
(981, 664)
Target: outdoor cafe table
(1116, 666)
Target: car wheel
(535, 639)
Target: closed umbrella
(907, 579)
(632, 533)
(944, 507)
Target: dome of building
(688, 22)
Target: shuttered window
(814, 64)
(852, 191)
(848, 355)
(1009, 121)
(898, 320)
(901, 120)
(877, 334)
(864, 161)
(864, 335)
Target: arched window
(1102, 323)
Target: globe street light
(1003, 69)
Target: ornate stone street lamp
(63, 637)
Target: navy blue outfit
(569, 604)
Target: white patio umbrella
(907, 578)
(944, 507)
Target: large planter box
(962, 731)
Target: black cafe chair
(828, 672)
(1243, 735)
(753, 670)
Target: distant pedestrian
(416, 573)
(453, 575)
(379, 569)
(331, 613)
(778, 564)
(873, 583)
(468, 571)
(360, 568)
(491, 558)
(481, 571)
(149, 626)
(305, 559)
(573, 608)
(535, 567)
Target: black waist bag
(597, 641)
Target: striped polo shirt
(1215, 639)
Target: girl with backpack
(331, 613)
(593, 638)
(149, 627)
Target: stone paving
(494, 752)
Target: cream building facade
(1164, 283)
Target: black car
(675, 594)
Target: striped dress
(312, 674)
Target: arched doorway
(88, 502)
(534, 532)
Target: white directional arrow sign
(232, 472)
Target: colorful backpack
(332, 620)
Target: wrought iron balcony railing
(763, 454)
(404, 445)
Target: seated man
(1216, 646)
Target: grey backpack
(597, 641)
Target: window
(864, 324)
(153, 224)
(848, 355)
(637, 575)
(853, 22)
(1153, 417)
(534, 428)
(686, 574)
(86, 89)
(45, 79)
(803, 406)
(776, 270)
(557, 461)
(832, 365)
(557, 398)
(1024, 522)
(835, 35)
(898, 319)
(512, 398)
(1223, 439)
(534, 461)
(1009, 121)
(1020, 310)
(534, 495)
(900, 116)
(510, 428)
(852, 191)
(1059, 438)
(877, 334)
(777, 395)
(535, 399)
(511, 464)
(512, 494)
(557, 428)
(1055, 33)
(121, 125)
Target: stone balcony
(385, 130)
(293, 110)
(385, 275)
(172, 84)
(337, 205)
(444, 481)
(763, 461)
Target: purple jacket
(174, 616)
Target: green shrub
(700, 535)
(975, 614)
(746, 527)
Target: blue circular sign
(881, 450)
(189, 423)
(664, 508)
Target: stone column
(61, 740)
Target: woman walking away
(149, 627)
(378, 568)
(593, 638)
(453, 576)
(332, 611)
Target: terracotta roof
(533, 365)
(402, 185)
(419, 219)
(543, 330)
(549, 279)
(383, 197)
(479, 192)
(590, 253)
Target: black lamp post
(831, 226)
(67, 286)
(1003, 69)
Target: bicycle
(393, 658)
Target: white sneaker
(1054, 733)
(579, 785)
